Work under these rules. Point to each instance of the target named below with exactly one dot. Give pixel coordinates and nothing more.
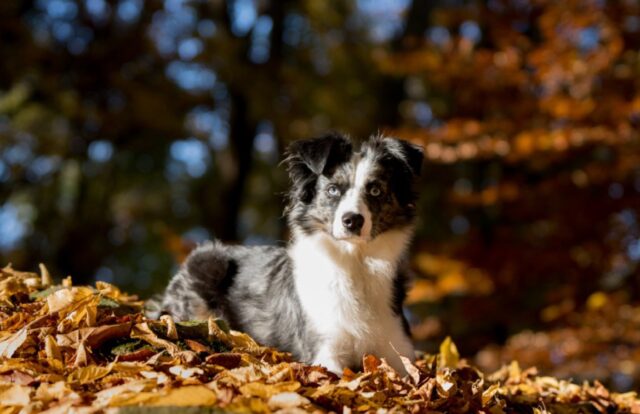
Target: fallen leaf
(70, 296)
(10, 345)
(14, 394)
(258, 389)
(285, 400)
(144, 332)
(91, 373)
(449, 356)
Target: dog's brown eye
(375, 191)
(333, 191)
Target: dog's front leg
(326, 356)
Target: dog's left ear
(413, 155)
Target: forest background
(131, 130)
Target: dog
(335, 292)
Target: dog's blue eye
(375, 191)
(333, 191)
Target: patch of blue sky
(296, 30)
(43, 167)
(260, 40)
(193, 154)
(4, 171)
(191, 76)
(471, 30)
(243, 15)
(384, 17)
(100, 151)
(197, 234)
(190, 48)
(422, 113)
(265, 143)
(19, 153)
(439, 35)
(172, 25)
(206, 28)
(588, 38)
(14, 226)
(58, 9)
(128, 11)
(98, 10)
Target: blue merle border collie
(336, 291)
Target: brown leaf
(370, 363)
(412, 370)
(141, 354)
(93, 336)
(196, 346)
(142, 331)
(229, 360)
(17, 377)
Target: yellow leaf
(108, 289)
(488, 394)
(597, 300)
(45, 277)
(125, 393)
(56, 391)
(89, 374)
(258, 389)
(449, 355)
(63, 298)
(196, 395)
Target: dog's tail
(153, 307)
(198, 290)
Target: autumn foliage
(131, 130)
(66, 348)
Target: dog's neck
(378, 257)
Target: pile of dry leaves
(601, 340)
(67, 348)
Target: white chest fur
(346, 291)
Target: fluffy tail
(198, 289)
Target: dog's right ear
(307, 159)
(319, 155)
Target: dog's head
(352, 194)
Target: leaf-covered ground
(67, 348)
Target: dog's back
(251, 287)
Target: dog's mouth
(351, 238)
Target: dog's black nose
(353, 222)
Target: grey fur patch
(250, 287)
